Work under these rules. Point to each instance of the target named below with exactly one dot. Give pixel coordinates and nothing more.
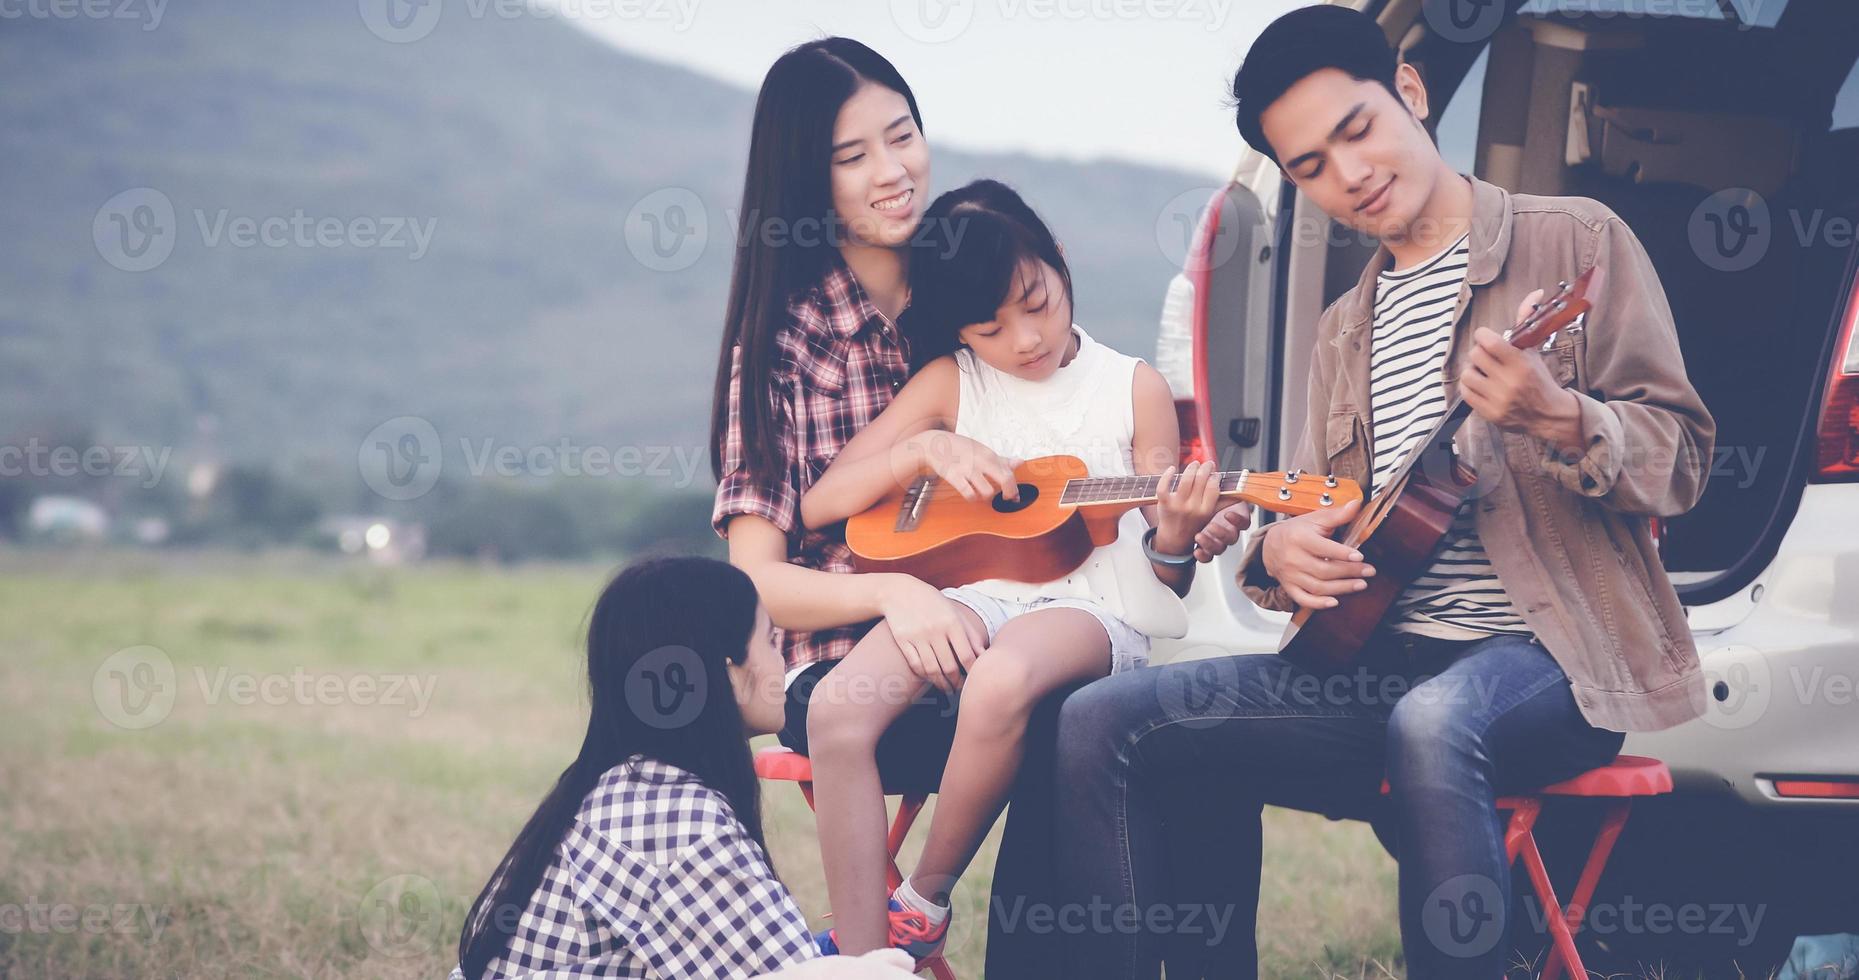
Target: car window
(1756, 13)
(1846, 103)
(1457, 133)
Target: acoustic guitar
(929, 530)
(1400, 528)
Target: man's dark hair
(1304, 41)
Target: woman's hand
(938, 642)
(975, 471)
(1183, 510)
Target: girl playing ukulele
(1000, 372)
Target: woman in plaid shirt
(838, 173)
(646, 859)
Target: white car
(1724, 134)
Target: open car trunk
(1719, 144)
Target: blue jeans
(1162, 774)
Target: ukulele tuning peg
(1325, 500)
(1292, 476)
(1284, 493)
(1329, 481)
(1562, 284)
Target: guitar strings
(941, 490)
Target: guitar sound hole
(1028, 494)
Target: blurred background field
(344, 836)
(297, 537)
(552, 369)
(399, 472)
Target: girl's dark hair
(787, 235)
(966, 262)
(698, 612)
(1298, 44)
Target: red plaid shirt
(838, 362)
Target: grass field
(341, 754)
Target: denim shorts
(1129, 647)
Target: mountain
(364, 229)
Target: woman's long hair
(695, 611)
(786, 235)
(966, 262)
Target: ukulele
(1062, 513)
(1400, 528)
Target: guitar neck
(1272, 491)
(1457, 411)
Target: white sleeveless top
(1085, 409)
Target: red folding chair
(1623, 779)
(788, 765)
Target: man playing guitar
(1539, 630)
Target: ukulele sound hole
(1028, 493)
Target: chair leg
(1577, 909)
(1611, 825)
(1564, 950)
(1522, 819)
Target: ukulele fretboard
(1294, 492)
(1144, 489)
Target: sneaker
(912, 933)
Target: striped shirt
(1459, 597)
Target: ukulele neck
(1138, 491)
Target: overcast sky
(1142, 80)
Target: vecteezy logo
(400, 21)
(134, 688)
(666, 688)
(135, 231)
(1730, 230)
(1189, 691)
(401, 916)
(1179, 223)
(1463, 21)
(932, 21)
(1461, 917)
(1738, 686)
(666, 231)
(400, 458)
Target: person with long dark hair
(838, 175)
(1003, 372)
(647, 857)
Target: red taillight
(1193, 447)
(1839, 416)
(1818, 789)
